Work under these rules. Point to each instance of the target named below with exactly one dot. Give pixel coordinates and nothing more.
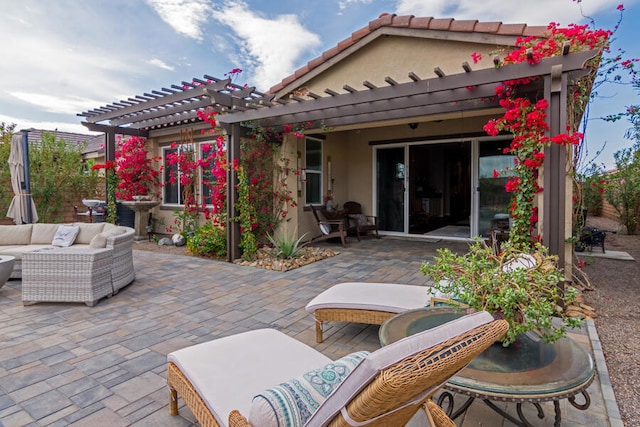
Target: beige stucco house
(397, 112)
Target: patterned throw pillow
(66, 235)
(292, 403)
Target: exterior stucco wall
(396, 56)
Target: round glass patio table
(528, 371)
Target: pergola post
(109, 154)
(555, 170)
(233, 227)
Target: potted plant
(521, 286)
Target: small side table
(6, 267)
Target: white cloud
(160, 64)
(343, 4)
(186, 17)
(59, 70)
(65, 104)
(22, 123)
(270, 47)
(540, 12)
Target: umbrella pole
(26, 184)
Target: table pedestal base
(448, 397)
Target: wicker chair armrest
(236, 419)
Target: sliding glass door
(493, 200)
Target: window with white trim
(171, 192)
(313, 171)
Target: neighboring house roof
(391, 22)
(95, 145)
(35, 135)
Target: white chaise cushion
(366, 371)
(229, 371)
(66, 235)
(390, 297)
(292, 403)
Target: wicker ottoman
(66, 275)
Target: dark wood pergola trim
(425, 97)
(239, 107)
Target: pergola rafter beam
(450, 86)
(391, 109)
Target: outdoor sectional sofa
(98, 263)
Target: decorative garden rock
(178, 240)
(165, 241)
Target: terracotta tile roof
(412, 22)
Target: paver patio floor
(68, 364)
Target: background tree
(6, 132)
(59, 176)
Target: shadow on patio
(64, 364)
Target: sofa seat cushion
(228, 372)
(17, 251)
(8, 249)
(16, 234)
(293, 402)
(43, 234)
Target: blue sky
(63, 57)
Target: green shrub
(624, 190)
(523, 287)
(208, 240)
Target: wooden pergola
(239, 107)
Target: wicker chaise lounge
(274, 379)
(371, 303)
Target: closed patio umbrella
(18, 207)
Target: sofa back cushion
(88, 231)
(16, 234)
(100, 239)
(43, 234)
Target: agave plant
(286, 246)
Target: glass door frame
(374, 168)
